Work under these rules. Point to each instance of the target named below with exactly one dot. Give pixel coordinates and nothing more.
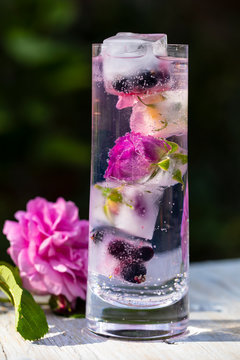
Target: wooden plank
(214, 329)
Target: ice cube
(161, 115)
(137, 212)
(105, 262)
(140, 220)
(129, 45)
(131, 63)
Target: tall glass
(138, 247)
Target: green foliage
(30, 320)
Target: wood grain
(213, 333)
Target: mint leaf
(164, 125)
(115, 196)
(105, 190)
(177, 175)
(30, 320)
(149, 105)
(174, 146)
(164, 164)
(181, 158)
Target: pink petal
(44, 247)
(62, 268)
(53, 282)
(42, 266)
(74, 288)
(24, 264)
(35, 284)
(125, 101)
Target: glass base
(134, 323)
(138, 332)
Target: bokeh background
(45, 104)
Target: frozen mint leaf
(115, 196)
(164, 164)
(181, 158)
(107, 211)
(149, 105)
(164, 125)
(177, 175)
(174, 147)
(105, 190)
(30, 320)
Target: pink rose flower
(134, 156)
(49, 244)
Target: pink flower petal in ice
(134, 156)
(126, 101)
(160, 115)
(49, 244)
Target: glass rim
(173, 50)
(183, 45)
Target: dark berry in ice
(97, 236)
(134, 272)
(141, 82)
(145, 253)
(120, 249)
(145, 80)
(123, 85)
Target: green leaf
(164, 125)
(174, 147)
(105, 190)
(77, 316)
(107, 212)
(177, 175)
(31, 49)
(164, 164)
(115, 196)
(181, 158)
(110, 193)
(14, 270)
(149, 105)
(30, 320)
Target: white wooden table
(214, 329)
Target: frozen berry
(134, 272)
(145, 80)
(145, 253)
(120, 249)
(141, 82)
(97, 236)
(123, 85)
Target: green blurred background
(45, 104)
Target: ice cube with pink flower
(161, 115)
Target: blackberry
(123, 85)
(145, 80)
(120, 249)
(134, 272)
(141, 82)
(145, 253)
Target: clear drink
(138, 247)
